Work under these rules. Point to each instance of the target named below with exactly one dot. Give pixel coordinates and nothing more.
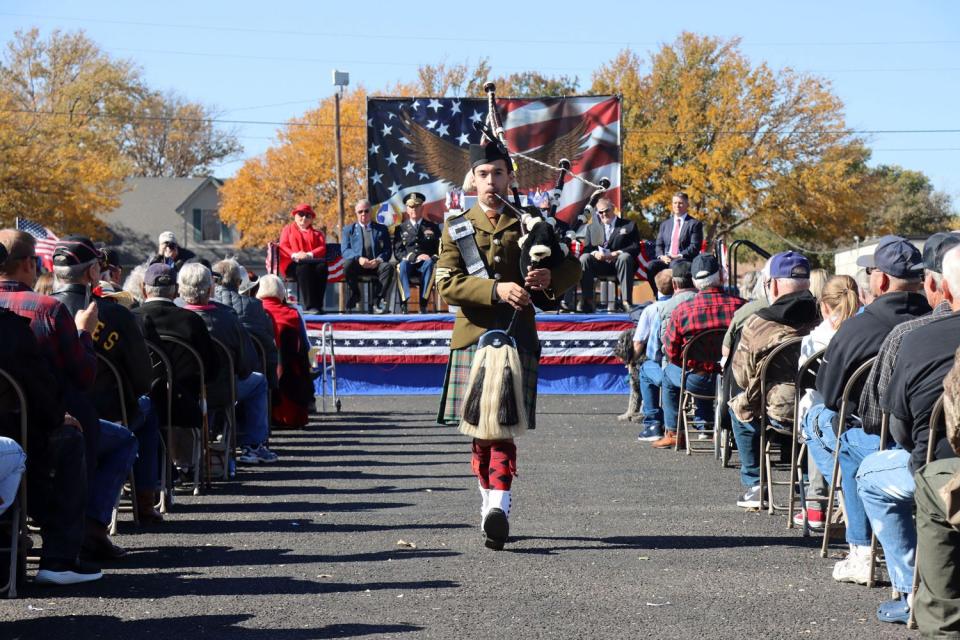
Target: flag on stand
(334, 262)
(46, 240)
(422, 144)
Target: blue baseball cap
(789, 264)
(896, 257)
(935, 248)
(704, 266)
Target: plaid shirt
(709, 309)
(878, 380)
(70, 354)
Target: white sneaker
(61, 573)
(855, 567)
(750, 499)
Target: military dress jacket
(479, 311)
(409, 241)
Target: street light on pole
(340, 80)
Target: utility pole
(340, 80)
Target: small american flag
(46, 240)
(334, 262)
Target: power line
(119, 116)
(387, 35)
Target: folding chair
(846, 408)
(105, 367)
(777, 368)
(262, 356)
(703, 347)
(229, 441)
(200, 455)
(806, 379)
(328, 367)
(13, 399)
(938, 421)
(158, 358)
(884, 434)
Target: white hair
(195, 281)
(271, 286)
(229, 270)
(951, 271)
(713, 280)
(134, 281)
(71, 274)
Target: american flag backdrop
(46, 240)
(421, 144)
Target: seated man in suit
(681, 235)
(615, 254)
(416, 245)
(366, 249)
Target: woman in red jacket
(303, 253)
(291, 403)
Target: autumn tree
(467, 80)
(300, 168)
(60, 100)
(169, 136)
(910, 205)
(747, 143)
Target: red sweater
(293, 240)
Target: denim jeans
(886, 486)
(747, 435)
(651, 377)
(695, 382)
(855, 445)
(816, 482)
(146, 428)
(253, 428)
(12, 465)
(116, 452)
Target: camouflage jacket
(791, 316)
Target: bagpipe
(494, 407)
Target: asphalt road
(611, 539)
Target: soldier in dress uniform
(416, 245)
(487, 296)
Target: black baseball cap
(74, 250)
(935, 248)
(704, 266)
(895, 256)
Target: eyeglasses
(603, 212)
(870, 270)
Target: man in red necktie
(681, 235)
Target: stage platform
(407, 354)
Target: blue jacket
(351, 244)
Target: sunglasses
(603, 212)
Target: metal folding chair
(884, 434)
(938, 421)
(200, 456)
(13, 399)
(328, 367)
(778, 367)
(230, 427)
(846, 408)
(703, 347)
(105, 367)
(159, 359)
(806, 379)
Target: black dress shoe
(587, 307)
(403, 307)
(496, 529)
(97, 543)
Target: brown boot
(146, 510)
(97, 543)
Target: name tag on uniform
(461, 229)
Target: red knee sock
(481, 464)
(503, 465)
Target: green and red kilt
(458, 375)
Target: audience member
(839, 302)
(710, 308)
(792, 313)
(366, 251)
(44, 285)
(250, 311)
(895, 277)
(133, 285)
(196, 286)
(296, 384)
(863, 286)
(170, 253)
(647, 340)
(303, 253)
(885, 478)
(755, 301)
(818, 280)
(615, 255)
(416, 245)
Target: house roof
(150, 206)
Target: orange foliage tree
(301, 168)
(748, 144)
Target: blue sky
(896, 65)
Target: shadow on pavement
(207, 627)
(656, 543)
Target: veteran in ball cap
(479, 272)
(416, 247)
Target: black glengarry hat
(488, 154)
